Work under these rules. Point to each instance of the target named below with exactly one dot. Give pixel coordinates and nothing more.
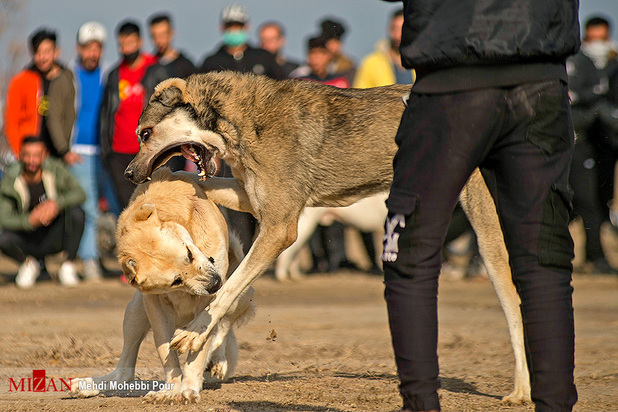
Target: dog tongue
(189, 154)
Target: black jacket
(111, 101)
(181, 67)
(511, 41)
(588, 85)
(253, 60)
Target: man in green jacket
(40, 213)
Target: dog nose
(215, 285)
(128, 173)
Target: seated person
(40, 213)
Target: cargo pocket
(549, 129)
(401, 207)
(555, 242)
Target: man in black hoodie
(491, 92)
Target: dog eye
(145, 134)
(189, 255)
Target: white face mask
(598, 51)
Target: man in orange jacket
(40, 100)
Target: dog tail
(235, 253)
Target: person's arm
(586, 85)
(10, 216)
(362, 79)
(61, 113)
(105, 120)
(12, 115)
(69, 191)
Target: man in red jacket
(127, 90)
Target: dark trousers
(63, 234)
(522, 139)
(241, 223)
(584, 179)
(117, 164)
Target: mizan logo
(39, 383)
(391, 238)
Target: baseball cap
(234, 13)
(91, 31)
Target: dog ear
(170, 92)
(147, 211)
(169, 96)
(130, 268)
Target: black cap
(332, 29)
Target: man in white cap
(235, 53)
(88, 76)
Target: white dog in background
(366, 215)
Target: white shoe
(92, 270)
(28, 273)
(67, 274)
(613, 216)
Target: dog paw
(172, 397)
(185, 340)
(517, 398)
(218, 370)
(83, 388)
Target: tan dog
(173, 247)
(292, 144)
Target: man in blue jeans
(88, 76)
(491, 92)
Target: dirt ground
(318, 345)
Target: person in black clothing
(127, 90)
(237, 55)
(491, 92)
(161, 35)
(172, 60)
(592, 158)
(272, 39)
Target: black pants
(241, 223)
(522, 139)
(63, 234)
(584, 179)
(117, 164)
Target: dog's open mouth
(196, 153)
(201, 157)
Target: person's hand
(70, 158)
(46, 212)
(34, 218)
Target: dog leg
(161, 318)
(193, 377)
(225, 191)
(223, 349)
(286, 266)
(135, 326)
(273, 238)
(481, 211)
